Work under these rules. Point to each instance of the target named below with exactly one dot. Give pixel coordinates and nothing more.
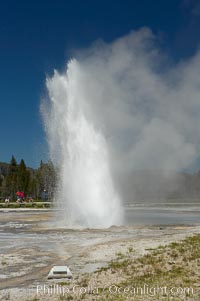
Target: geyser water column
(85, 193)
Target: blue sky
(38, 36)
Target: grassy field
(35, 204)
(167, 273)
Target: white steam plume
(150, 113)
(146, 107)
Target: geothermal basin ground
(30, 244)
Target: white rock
(59, 272)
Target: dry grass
(174, 266)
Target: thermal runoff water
(85, 193)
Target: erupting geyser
(86, 193)
(120, 110)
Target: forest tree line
(143, 185)
(35, 183)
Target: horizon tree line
(33, 182)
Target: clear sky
(38, 36)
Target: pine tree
(11, 178)
(23, 177)
(46, 179)
(32, 187)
